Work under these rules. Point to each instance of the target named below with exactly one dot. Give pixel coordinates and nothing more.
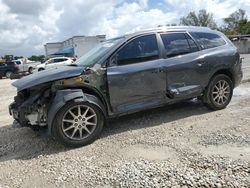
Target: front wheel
(219, 92)
(78, 124)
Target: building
(73, 47)
(242, 42)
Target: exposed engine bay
(30, 106)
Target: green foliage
(37, 58)
(203, 18)
(236, 23)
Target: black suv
(127, 74)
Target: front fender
(66, 95)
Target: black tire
(41, 69)
(60, 135)
(30, 70)
(8, 74)
(216, 99)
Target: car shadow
(155, 117)
(24, 144)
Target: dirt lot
(179, 145)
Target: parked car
(54, 63)
(8, 69)
(128, 74)
(25, 67)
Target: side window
(208, 40)
(141, 49)
(50, 61)
(175, 44)
(18, 62)
(192, 44)
(58, 60)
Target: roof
(60, 57)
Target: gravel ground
(182, 145)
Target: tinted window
(177, 44)
(208, 40)
(192, 44)
(58, 60)
(18, 62)
(139, 50)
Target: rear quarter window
(208, 40)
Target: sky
(26, 25)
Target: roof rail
(163, 28)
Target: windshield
(97, 52)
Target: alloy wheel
(221, 92)
(79, 122)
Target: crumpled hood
(47, 76)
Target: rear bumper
(238, 78)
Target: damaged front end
(34, 95)
(31, 105)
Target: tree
(203, 18)
(237, 23)
(37, 58)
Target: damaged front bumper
(31, 111)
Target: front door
(137, 80)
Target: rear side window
(208, 40)
(141, 49)
(59, 60)
(178, 44)
(192, 44)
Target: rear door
(136, 81)
(185, 65)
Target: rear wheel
(40, 69)
(8, 74)
(31, 70)
(219, 92)
(78, 124)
